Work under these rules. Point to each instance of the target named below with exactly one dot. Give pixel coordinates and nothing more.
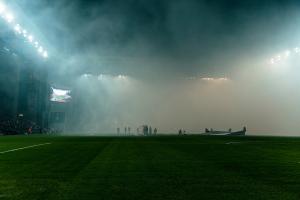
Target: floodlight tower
(24, 67)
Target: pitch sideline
(22, 148)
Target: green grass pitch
(160, 168)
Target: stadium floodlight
(18, 28)
(9, 17)
(208, 79)
(287, 53)
(122, 77)
(278, 58)
(284, 56)
(223, 79)
(45, 54)
(41, 50)
(24, 33)
(30, 38)
(2, 8)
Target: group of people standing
(127, 131)
(181, 132)
(148, 131)
(144, 130)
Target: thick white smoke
(256, 98)
(161, 46)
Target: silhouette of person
(180, 132)
(125, 130)
(147, 130)
(30, 130)
(129, 129)
(155, 131)
(150, 130)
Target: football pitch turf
(191, 167)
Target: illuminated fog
(259, 98)
(173, 57)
